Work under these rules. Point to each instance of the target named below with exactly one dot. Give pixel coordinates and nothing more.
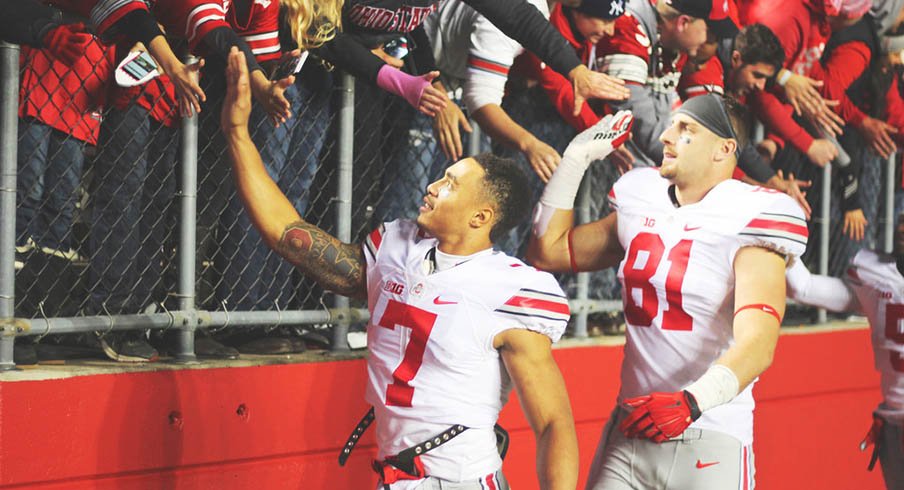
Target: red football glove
(660, 416)
(68, 42)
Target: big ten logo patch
(393, 287)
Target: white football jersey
(880, 291)
(678, 281)
(432, 363)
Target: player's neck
(463, 245)
(687, 194)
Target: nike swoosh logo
(691, 228)
(438, 301)
(701, 465)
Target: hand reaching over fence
(337, 266)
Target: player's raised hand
(659, 416)
(237, 105)
(589, 84)
(599, 140)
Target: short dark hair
(739, 117)
(758, 44)
(507, 186)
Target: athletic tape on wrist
(717, 386)
(761, 307)
(564, 184)
(542, 217)
(783, 77)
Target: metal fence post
(188, 218)
(9, 101)
(824, 214)
(582, 211)
(474, 141)
(344, 197)
(888, 235)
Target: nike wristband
(768, 309)
(718, 386)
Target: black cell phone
(288, 66)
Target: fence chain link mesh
(98, 180)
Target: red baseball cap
(721, 16)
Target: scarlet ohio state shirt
(432, 363)
(678, 281)
(880, 291)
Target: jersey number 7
(421, 322)
(644, 255)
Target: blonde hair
(313, 22)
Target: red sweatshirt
(191, 20)
(845, 65)
(556, 86)
(68, 99)
(803, 29)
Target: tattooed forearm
(337, 266)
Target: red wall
(184, 429)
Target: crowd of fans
(99, 131)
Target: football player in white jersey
(702, 260)
(873, 284)
(453, 326)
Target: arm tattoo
(337, 266)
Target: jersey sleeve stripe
(542, 294)
(551, 317)
(628, 67)
(489, 66)
(374, 240)
(261, 37)
(779, 235)
(539, 305)
(265, 50)
(763, 225)
(523, 313)
(106, 13)
(200, 15)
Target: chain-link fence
(127, 218)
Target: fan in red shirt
(804, 28)
(739, 66)
(198, 22)
(59, 113)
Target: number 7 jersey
(678, 281)
(432, 363)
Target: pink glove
(68, 42)
(397, 82)
(660, 416)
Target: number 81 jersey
(432, 362)
(678, 280)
